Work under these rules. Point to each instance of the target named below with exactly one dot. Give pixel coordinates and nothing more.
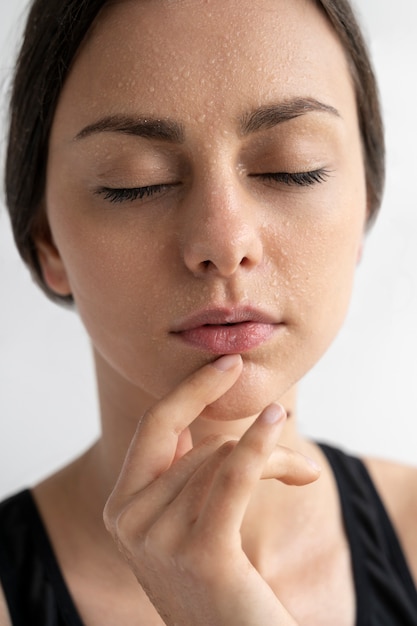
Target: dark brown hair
(54, 32)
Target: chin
(248, 397)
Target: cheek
(102, 249)
(323, 265)
(116, 278)
(125, 274)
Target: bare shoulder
(397, 486)
(4, 613)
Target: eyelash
(130, 194)
(301, 179)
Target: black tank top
(37, 595)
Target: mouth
(227, 331)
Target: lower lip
(229, 339)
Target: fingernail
(273, 413)
(226, 362)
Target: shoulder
(4, 613)
(397, 487)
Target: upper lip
(224, 315)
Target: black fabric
(32, 582)
(385, 593)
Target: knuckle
(149, 417)
(200, 390)
(285, 462)
(150, 543)
(110, 516)
(233, 477)
(124, 523)
(159, 544)
(218, 441)
(257, 447)
(227, 447)
(194, 383)
(205, 386)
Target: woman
(199, 182)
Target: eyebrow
(271, 115)
(149, 128)
(262, 118)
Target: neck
(122, 405)
(88, 482)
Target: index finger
(155, 442)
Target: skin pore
(221, 233)
(183, 178)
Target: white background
(362, 395)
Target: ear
(53, 268)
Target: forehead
(182, 58)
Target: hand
(176, 511)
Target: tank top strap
(385, 591)
(36, 592)
(32, 582)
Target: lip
(227, 330)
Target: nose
(220, 231)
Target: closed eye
(130, 194)
(302, 179)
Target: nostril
(206, 264)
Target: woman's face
(206, 191)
